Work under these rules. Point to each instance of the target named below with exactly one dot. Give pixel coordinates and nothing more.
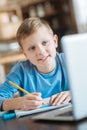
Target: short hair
(29, 26)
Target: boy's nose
(40, 50)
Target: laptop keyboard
(68, 113)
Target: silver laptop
(75, 50)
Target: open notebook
(44, 108)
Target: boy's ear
(55, 40)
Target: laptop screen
(75, 51)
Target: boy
(43, 74)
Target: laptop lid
(75, 50)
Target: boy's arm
(9, 104)
(6, 92)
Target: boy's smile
(40, 49)
(43, 59)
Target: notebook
(43, 108)
(75, 51)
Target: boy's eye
(32, 48)
(45, 42)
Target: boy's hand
(31, 101)
(28, 102)
(60, 98)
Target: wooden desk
(25, 123)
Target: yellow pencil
(21, 89)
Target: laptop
(75, 50)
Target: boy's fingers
(37, 94)
(60, 98)
(31, 105)
(34, 96)
(52, 99)
(67, 100)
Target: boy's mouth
(44, 58)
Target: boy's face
(40, 49)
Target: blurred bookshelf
(55, 12)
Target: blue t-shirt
(25, 74)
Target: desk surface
(25, 123)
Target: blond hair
(29, 26)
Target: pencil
(21, 89)
(16, 86)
